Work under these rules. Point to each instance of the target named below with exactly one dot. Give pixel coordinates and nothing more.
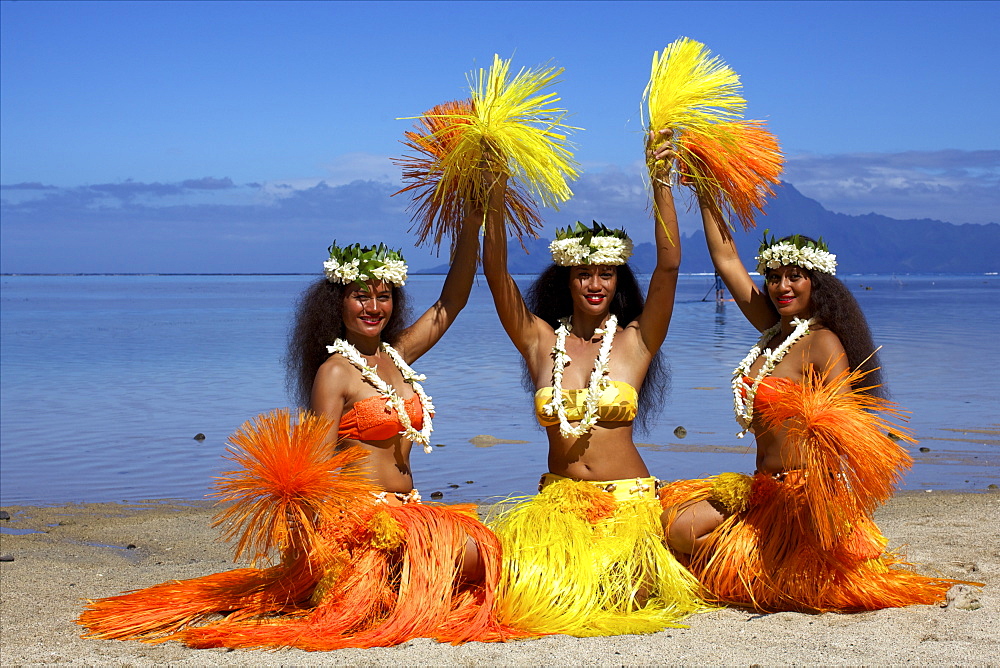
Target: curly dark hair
(318, 321)
(549, 298)
(838, 310)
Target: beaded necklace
(352, 355)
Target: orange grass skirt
(768, 557)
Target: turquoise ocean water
(105, 380)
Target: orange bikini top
(768, 390)
(374, 419)
(618, 403)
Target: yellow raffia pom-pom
(387, 533)
(732, 490)
(438, 208)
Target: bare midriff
(387, 464)
(772, 456)
(607, 452)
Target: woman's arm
(655, 318)
(431, 326)
(522, 326)
(329, 392)
(752, 301)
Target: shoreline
(67, 553)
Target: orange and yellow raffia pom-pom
(438, 210)
(730, 161)
(510, 125)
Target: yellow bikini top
(618, 403)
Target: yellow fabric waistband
(622, 490)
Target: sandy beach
(63, 555)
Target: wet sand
(63, 555)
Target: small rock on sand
(962, 597)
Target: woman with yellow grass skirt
(586, 556)
(362, 562)
(799, 534)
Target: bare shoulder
(824, 346)
(335, 370)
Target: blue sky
(184, 132)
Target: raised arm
(655, 318)
(522, 326)
(748, 296)
(431, 326)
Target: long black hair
(319, 320)
(549, 298)
(833, 305)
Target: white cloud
(351, 167)
(953, 186)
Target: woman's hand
(660, 156)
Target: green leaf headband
(357, 264)
(597, 244)
(795, 250)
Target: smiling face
(790, 290)
(367, 309)
(592, 287)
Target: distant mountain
(863, 244)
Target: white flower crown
(579, 245)
(798, 251)
(354, 264)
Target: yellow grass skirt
(579, 561)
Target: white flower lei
(742, 396)
(609, 250)
(352, 355)
(597, 384)
(809, 257)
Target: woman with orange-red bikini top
(798, 534)
(363, 562)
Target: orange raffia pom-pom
(290, 481)
(438, 207)
(733, 167)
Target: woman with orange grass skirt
(799, 534)
(363, 562)
(586, 556)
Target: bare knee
(679, 532)
(686, 527)
(473, 568)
